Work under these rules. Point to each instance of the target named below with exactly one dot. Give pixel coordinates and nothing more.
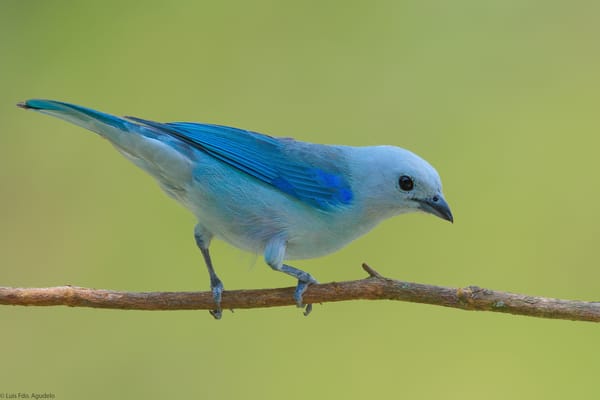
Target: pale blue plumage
(284, 198)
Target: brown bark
(375, 287)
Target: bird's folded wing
(267, 159)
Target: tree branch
(375, 287)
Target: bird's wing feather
(267, 159)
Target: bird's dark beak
(437, 206)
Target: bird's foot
(299, 292)
(216, 287)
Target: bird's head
(396, 181)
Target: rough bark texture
(375, 287)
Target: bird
(284, 198)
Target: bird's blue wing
(307, 177)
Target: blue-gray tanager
(277, 196)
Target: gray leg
(274, 255)
(216, 286)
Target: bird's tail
(109, 126)
(147, 147)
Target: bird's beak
(437, 206)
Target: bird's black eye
(406, 183)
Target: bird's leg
(274, 256)
(216, 286)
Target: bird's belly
(323, 239)
(315, 244)
(304, 240)
(248, 218)
(247, 213)
(309, 234)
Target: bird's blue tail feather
(93, 120)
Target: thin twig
(375, 287)
(372, 273)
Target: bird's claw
(217, 292)
(299, 292)
(307, 310)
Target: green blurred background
(501, 96)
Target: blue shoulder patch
(265, 158)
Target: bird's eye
(406, 183)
